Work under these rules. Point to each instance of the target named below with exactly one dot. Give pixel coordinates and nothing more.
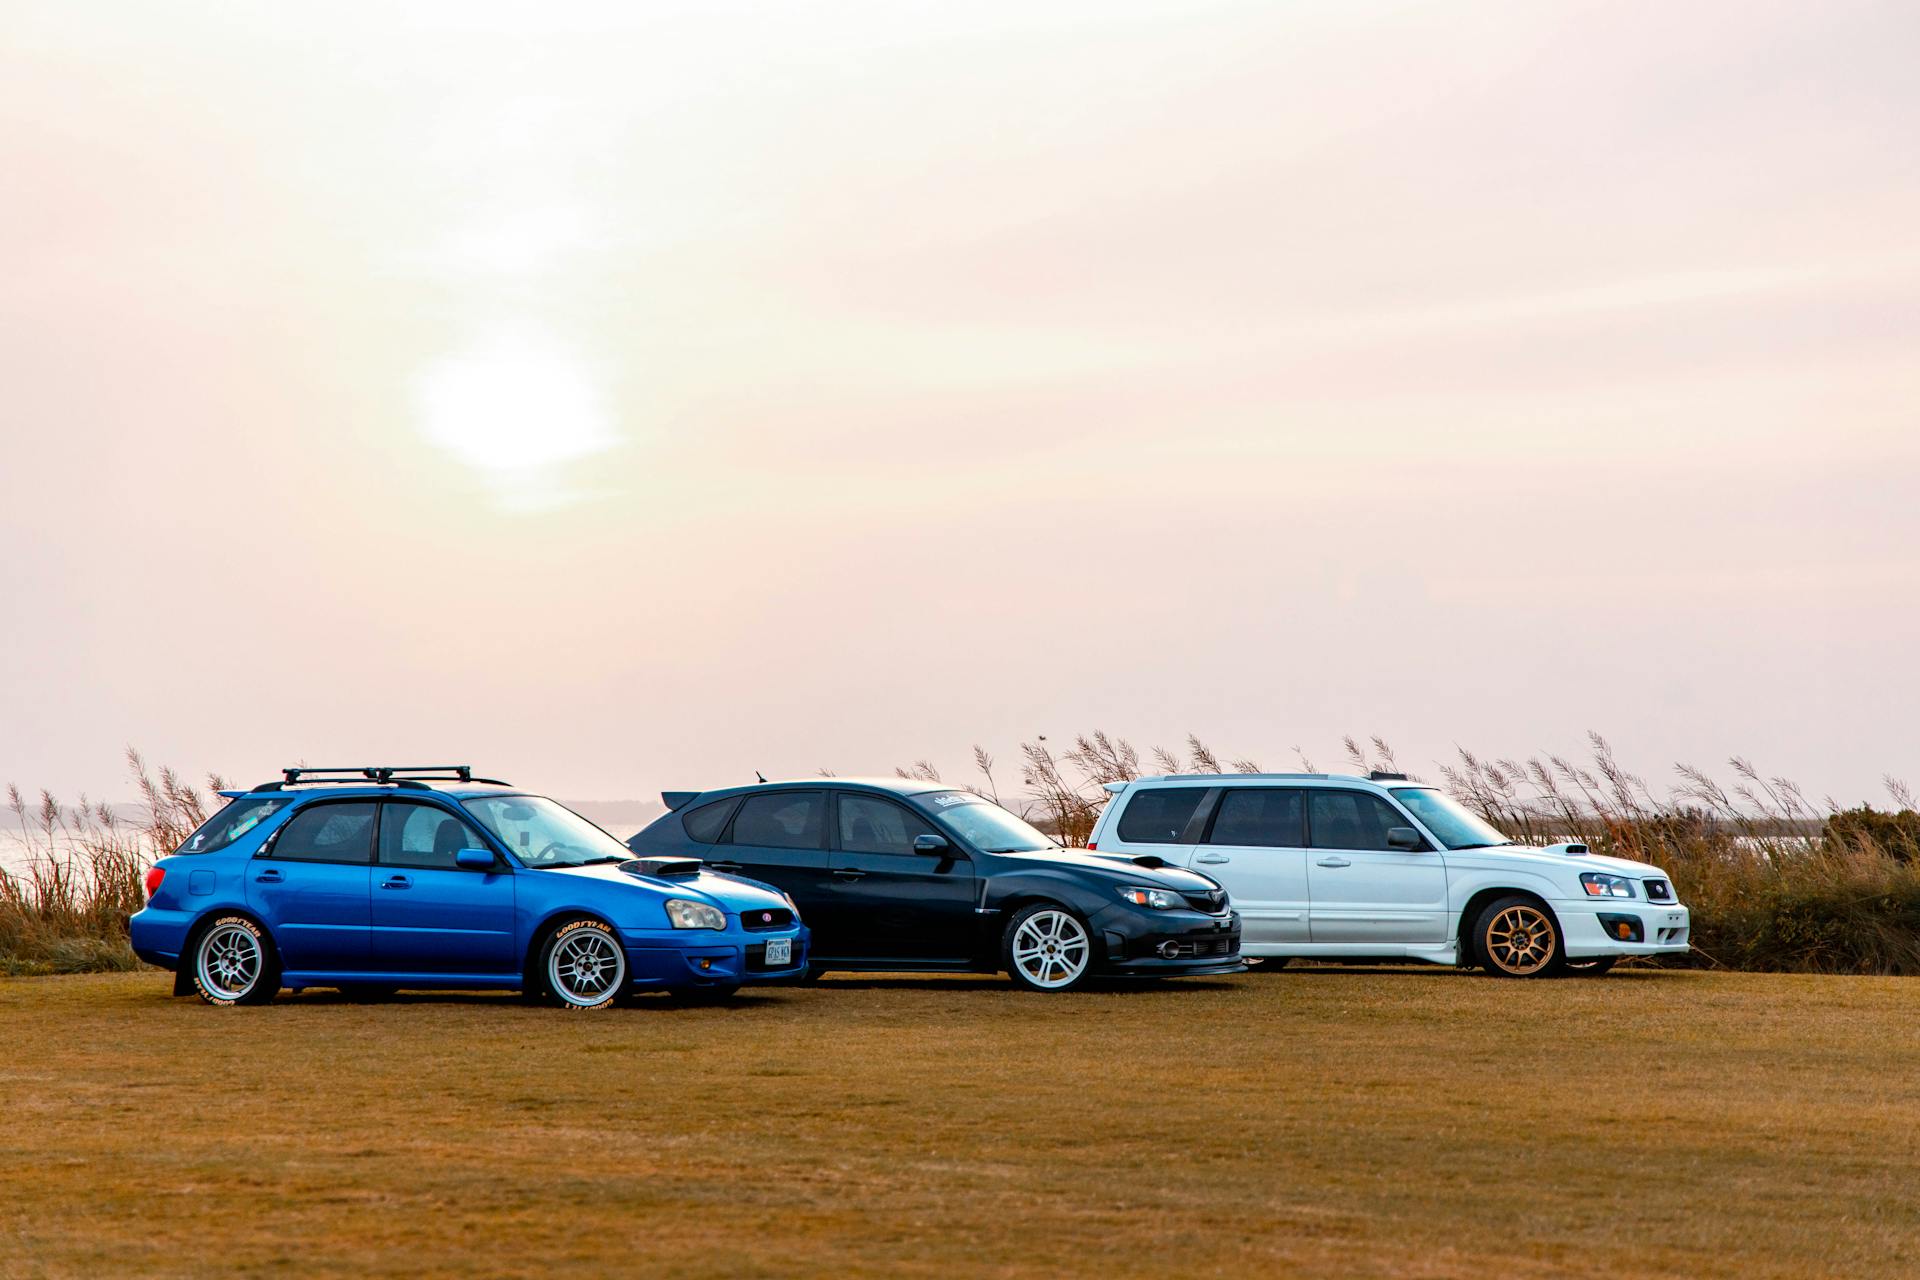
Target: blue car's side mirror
(930, 843)
(474, 859)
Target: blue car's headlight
(1598, 884)
(694, 915)
(1158, 899)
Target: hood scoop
(658, 867)
(1567, 849)
(1149, 860)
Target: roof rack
(413, 777)
(1381, 775)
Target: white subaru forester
(1328, 867)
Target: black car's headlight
(1158, 899)
(1599, 884)
(694, 915)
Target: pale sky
(633, 396)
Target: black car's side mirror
(931, 843)
(1403, 838)
(474, 859)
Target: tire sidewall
(1556, 963)
(1020, 979)
(541, 979)
(265, 986)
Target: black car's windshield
(544, 834)
(1452, 825)
(984, 824)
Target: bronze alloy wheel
(1518, 939)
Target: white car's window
(1159, 815)
(1351, 820)
(1265, 817)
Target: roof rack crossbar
(413, 777)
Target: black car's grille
(1191, 947)
(1213, 903)
(1659, 891)
(1201, 948)
(759, 921)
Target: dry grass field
(1317, 1122)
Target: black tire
(1268, 964)
(232, 961)
(1598, 967)
(1517, 937)
(1047, 948)
(581, 966)
(717, 994)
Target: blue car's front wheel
(583, 965)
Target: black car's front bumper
(1168, 944)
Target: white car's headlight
(694, 915)
(1158, 899)
(1599, 884)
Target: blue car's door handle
(268, 877)
(396, 882)
(848, 873)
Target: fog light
(1169, 949)
(706, 964)
(1622, 928)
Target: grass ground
(1312, 1122)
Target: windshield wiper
(1484, 844)
(592, 862)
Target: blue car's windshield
(984, 824)
(544, 834)
(1454, 826)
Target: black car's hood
(1119, 867)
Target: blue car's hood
(729, 893)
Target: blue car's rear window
(232, 822)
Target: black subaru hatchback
(896, 875)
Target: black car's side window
(1351, 820)
(335, 832)
(424, 836)
(783, 820)
(709, 821)
(1159, 815)
(871, 825)
(1263, 817)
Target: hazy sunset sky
(637, 395)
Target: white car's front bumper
(1663, 927)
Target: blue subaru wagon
(374, 879)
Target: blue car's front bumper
(664, 958)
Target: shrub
(83, 873)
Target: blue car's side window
(424, 836)
(337, 831)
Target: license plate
(779, 951)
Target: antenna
(759, 776)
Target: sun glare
(516, 404)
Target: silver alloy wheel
(586, 967)
(1051, 949)
(230, 961)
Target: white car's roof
(1344, 778)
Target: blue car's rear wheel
(583, 966)
(233, 963)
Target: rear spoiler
(678, 799)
